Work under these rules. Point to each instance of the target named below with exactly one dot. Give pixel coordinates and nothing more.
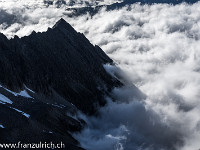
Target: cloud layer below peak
(158, 48)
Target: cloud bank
(158, 48)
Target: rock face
(59, 60)
(64, 72)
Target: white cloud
(157, 47)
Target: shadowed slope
(60, 60)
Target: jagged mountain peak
(62, 24)
(2, 36)
(59, 60)
(66, 73)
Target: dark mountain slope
(65, 74)
(37, 119)
(61, 60)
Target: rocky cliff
(44, 79)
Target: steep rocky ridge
(59, 60)
(47, 77)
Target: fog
(156, 48)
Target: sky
(156, 48)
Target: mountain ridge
(76, 49)
(45, 79)
(94, 10)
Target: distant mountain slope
(46, 76)
(174, 2)
(93, 10)
(79, 3)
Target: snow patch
(1, 126)
(4, 99)
(23, 113)
(22, 93)
(29, 89)
(57, 105)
